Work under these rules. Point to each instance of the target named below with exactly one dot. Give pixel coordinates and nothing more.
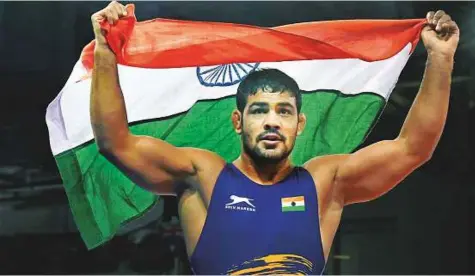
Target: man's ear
(236, 118)
(301, 124)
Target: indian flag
(179, 79)
(293, 204)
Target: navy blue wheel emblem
(224, 75)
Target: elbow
(422, 157)
(111, 154)
(106, 148)
(426, 157)
(421, 151)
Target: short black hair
(269, 80)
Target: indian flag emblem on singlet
(293, 204)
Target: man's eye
(285, 112)
(258, 111)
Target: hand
(441, 35)
(113, 12)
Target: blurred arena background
(425, 226)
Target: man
(234, 215)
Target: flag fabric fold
(179, 79)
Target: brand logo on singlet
(240, 204)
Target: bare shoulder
(323, 170)
(327, 164)
(204, 159)
(208, 166)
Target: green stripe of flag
(293, 208)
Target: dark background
(424, 226)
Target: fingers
(119, 9)
(112, 13)
(111, 16)
(430, 16)
(441, 22)
(437, 16)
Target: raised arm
(149, 162)
(376, 169)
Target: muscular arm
(426, 119)
(376, 169)
(151, 163)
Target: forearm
(108, 113)
(426, 119)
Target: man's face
(269, 125)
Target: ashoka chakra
(224, 75)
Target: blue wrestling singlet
(260, 229)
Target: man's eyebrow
(285, 105)
(259, 104)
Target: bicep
(152, 163)
(374, 170)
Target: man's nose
(271, 121)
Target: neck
(263, 173)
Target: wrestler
(260, 213)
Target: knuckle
(109, 16)
(96, 15)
